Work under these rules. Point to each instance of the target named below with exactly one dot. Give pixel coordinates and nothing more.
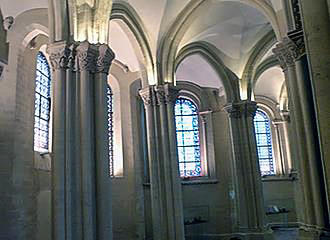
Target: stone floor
(285, 234)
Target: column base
(234, 236)
(312, 234)
(300, 233)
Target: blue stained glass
(187, 132)
(42, 104)
(110, 129)
(264, 143)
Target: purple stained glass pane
(187, 131)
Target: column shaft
(316, 25)
(148, 97)
(69, 148)
(166, 195)
(291, 57)
(87, 155)
(59, 159)
(173, 163)
(246, 174)
(81, 182)
(103, 183)
(59, 57)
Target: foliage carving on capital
(171, 94)
(160, 95)
(166, 94)
(147, 95)
(241, 109)
(104, 59)
(287, 52)
(59, 54)
(86, 55)
(8, 22)
(72, 57)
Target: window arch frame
(116, 73)
(270, 142)
(202, 163)
(280, 137)
(194, 93)
(49, 98)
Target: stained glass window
(110, 129)
(264, 143)
(42, 104)
(187, 132)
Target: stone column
(316, 25)
(247, 188)
(103, 181)
(59, 57)
(166, 193)
(81, 181)
(281, 131)
(86, 54)
(306, 157)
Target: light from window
(264, 143)
(110, 129)
(42, 104)
(187, 133)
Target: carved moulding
(159, 95)
(148, 96)
(166, 94)
(81, 56)
(241, 109)
(287, 52)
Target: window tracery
(42, 104)
(264, 143)
(110, 129)
(188, 140)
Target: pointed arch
(209, 52)
(260, 49)
(169, 43)
(124, 12)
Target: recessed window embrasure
(110, 129)
(42, 104)
(188, 139)
(264, 143)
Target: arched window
(110, 129)
(264, 143)
(188, 141)
(42, 105)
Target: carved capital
(148, 96)
(285, 115)
(160, 95)
(171, 93)
(241, 109)
(59, 54)
(104, 59)
(72, 63)
(81, 56)
(8, 22)
(166, 94)
(287, 52)
(86, 56)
